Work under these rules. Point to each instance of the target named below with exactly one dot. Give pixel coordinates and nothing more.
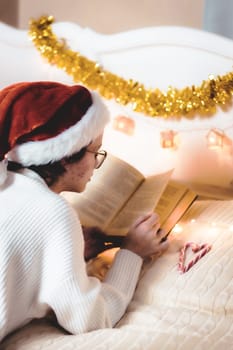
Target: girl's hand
(144, 237)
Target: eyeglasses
(100, 157)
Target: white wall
(108, 16)
(171, 56)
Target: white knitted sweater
(42, 263)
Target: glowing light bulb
(167, 138)
(124, 124)
(215, 139)
(177, 229)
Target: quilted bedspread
(169, 310)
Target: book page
(141, 202)
(106, 193)
(212, 191)
(216, 212)
(172, 194)
(182, 206)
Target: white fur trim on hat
(66, 143)
(3, 171)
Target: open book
(178, 198)
(118, 193)
(208, 221)
(216, 213)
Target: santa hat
(42, 122)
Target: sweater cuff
(125, 270)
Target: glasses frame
(101, 153)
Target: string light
(215, 139)
(124, 124)
(213, 224)
(167, 139)
(177, 229)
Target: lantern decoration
(167, 139)
(124, 124)
(215, 139)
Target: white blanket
(169, 310)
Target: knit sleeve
(83, 303)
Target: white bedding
(169, 310)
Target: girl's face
(79, 173)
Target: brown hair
(52, 171)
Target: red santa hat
(42, 122)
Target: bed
(170, 310)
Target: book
(207, 220)
(174, 202)
(191, 201)
(216, 192)
(216, 213)
(118, 193)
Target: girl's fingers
(141, 219)
(164, 245)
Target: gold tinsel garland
(202, 100)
